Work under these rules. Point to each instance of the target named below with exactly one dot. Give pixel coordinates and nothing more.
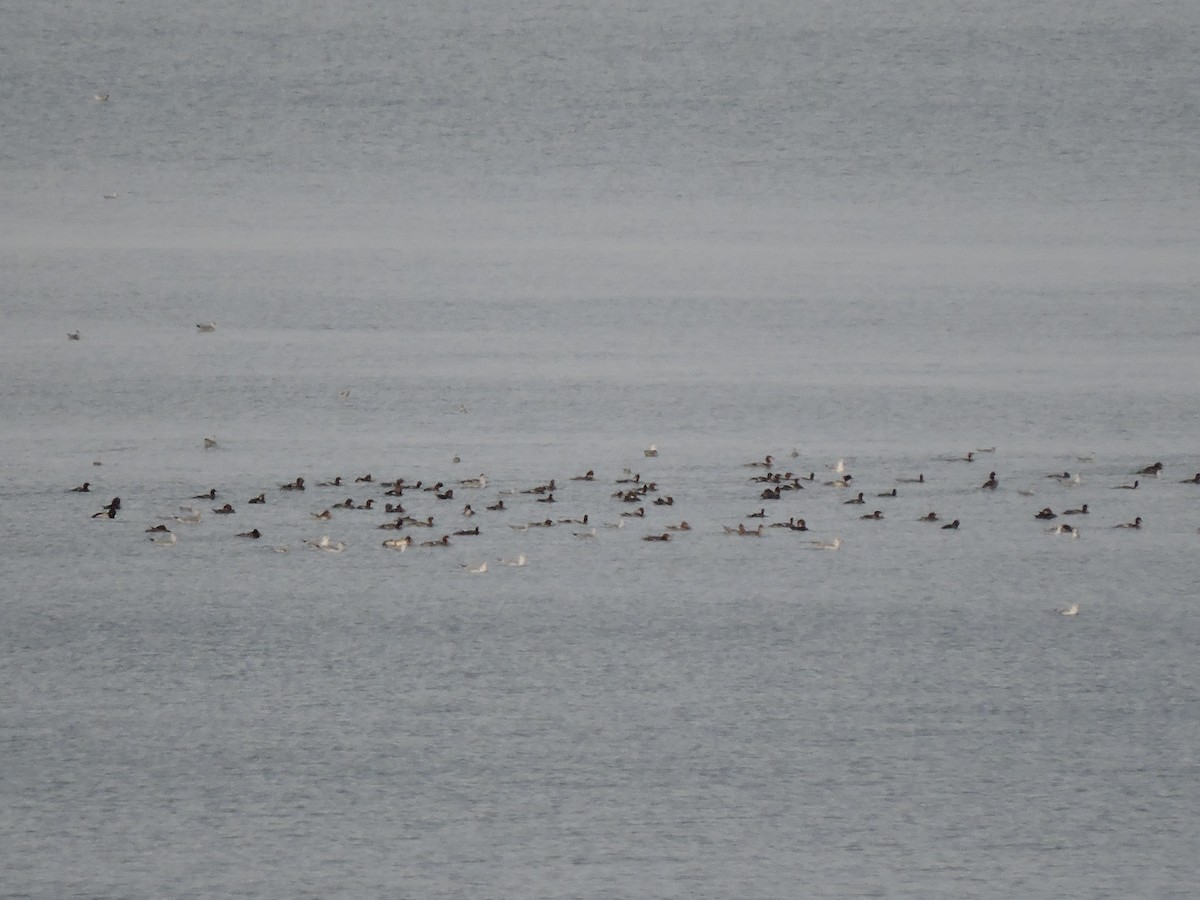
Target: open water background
(539, 237)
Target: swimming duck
(951, 526)
(254, 533)
(84, 488)
(261, 498)
(1046, 513)
(225, 510)
(991, 484)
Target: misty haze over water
(538, 238)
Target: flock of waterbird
(461, 510)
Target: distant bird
(652, 450)
(190, 516)
(100, 98)
(327, 545)
(929, 517)
(166, 540)
(657, 537)
(1072, 610)
(210, 443)
(1082, 511)
(1136, 523)
(991, 484)
(254, 534)
(83, 488)
(835, 544)
(72, 335)
(519, 561)
(261, 498)
(951, 526)
(1126, 487)
(476, 570)
(109, 511)
(211, 495)
(1151, 470)
(225, 510)
(206, 327)
(400, 544)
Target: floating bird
(519, 561)
(1136, 523)
(83, 488)
(951, 526)
(1072, 610)
(166, 540)
(1151, 470)
(206, 327)
(211, 495)
(476, 570)
(210, 443)
(225, 510)
(255, 534)
(400, 544)
(1082, 511)
(835, 544)
(991, 484)
(72, 335)
(652, 450)
(1126, 487)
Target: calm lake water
(530, 241)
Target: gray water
(537, 238)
